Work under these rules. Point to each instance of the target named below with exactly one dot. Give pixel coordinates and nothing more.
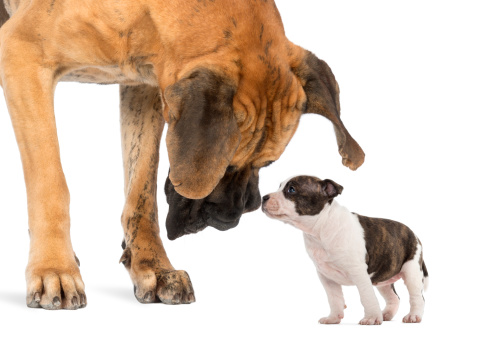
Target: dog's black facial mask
(235, 194)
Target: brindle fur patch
(389, 244)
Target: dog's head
(231, 118)
(300, 197)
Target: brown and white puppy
(350, 249)
(220, 73)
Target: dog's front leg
(52, 275)
(153, 276)
(335, 299)
(372, 312)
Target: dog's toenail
(56, 301)
(148, 296)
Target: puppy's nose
(266, 197)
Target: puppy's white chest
(326, 263)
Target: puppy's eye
(291, 189)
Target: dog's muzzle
(236, 193)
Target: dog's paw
(336, 319)
(59, 286)
(166, 286)
(175, 287)
(371, 321)
(412, 318)
(154, 282)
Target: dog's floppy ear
(203, 134)
(323, 94)
(331, 189)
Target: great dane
(223, 76)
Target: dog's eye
(291, 189)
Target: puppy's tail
(426, 276)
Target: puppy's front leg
(372, 312)
(144, 257)
(335, 299)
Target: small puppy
(350, 249)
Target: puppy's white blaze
(284, 183)
(277, 207)
(287, 208)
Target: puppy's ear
(323, 97)
(331, 188)
(203, 134)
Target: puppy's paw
(332, 319)
(389, 312)
(371, 321)
(412, 318)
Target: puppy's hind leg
(413, 276)
(144, 257)
(391, 301)
(335, 299)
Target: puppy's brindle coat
(351, 249)
(221, 73)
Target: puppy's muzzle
(270, 206)
(265, 199)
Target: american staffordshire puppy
(351, 249)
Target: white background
(421, 86)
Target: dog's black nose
(266, 197)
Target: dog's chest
(132, 73)
(327, 263)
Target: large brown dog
(221, 73)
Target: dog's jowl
(223, 76)
(351, 249)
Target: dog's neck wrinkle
(266, 121)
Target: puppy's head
(300, 196)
